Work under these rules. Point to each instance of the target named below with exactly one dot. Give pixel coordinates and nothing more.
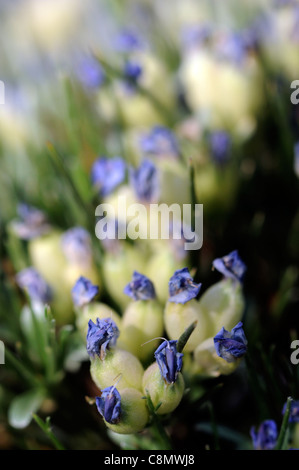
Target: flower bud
(83, 291)
(231, 345)
(107, 362)
(124, 411)
(77, 249)
(163, 379)
(107, 174)
(92, 311)
(116, 362)
(140, 108)
(210, 83)
(221, 354)
(47, 257)
(100, 336)
(160, 267)
(224, 304)
(118, 269)
(182, 309)
(265, 438)
(208, 364)
(231, 266)
(142, 319)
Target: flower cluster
(138, 234)
(120, 352)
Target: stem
(285, 426)
(46, 427)
(157, 427)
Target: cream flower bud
(209, 364)
(169, 395)
(224, 304)
(124, 412)
(117, 362)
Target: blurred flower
(132, 72)
(140, 287)
(33, 222)
(182, 288)
(34, 284)
(220, 145)
(231, 266)
(232, 47)
(266, 436)
(222, 303)
(135, 413)
(83, 291)
(195, 35)
(169, 360)
(108, 405)
(100, 336)
(90, 72)
(107, 174)
(127, 41)
(231, 345)
(145, 182)
(160, 141)
(294, 414)
(76, 245)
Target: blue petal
(109, 405)
(32, 222)
(90, 72)
(101, 335)
(140, 288)
(169, 360)
(127, 41)
(145, 182)
(231, 345)
(220, 143)
(160, 141)
(107, 174)
(231, 266)
(76, 245)
(84, 291)
(182, 288)
(266, 436)
(33, 283)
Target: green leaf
(23, 406)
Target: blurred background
(200, 84)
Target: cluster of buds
(218, 342)
(128, 365)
